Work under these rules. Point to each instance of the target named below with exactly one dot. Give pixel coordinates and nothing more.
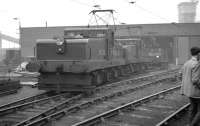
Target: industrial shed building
(179, 36)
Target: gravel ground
(148, 114)
(181, 120)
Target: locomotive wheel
(138, 68)
(110, 75)
(97, 78)
(104, 75)
(123, 71)
(107, 76)
(119, 70)
(130, 69)
(146, 66)
(115, 73)
(127, 70)
(142, 67)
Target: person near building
(189, 89)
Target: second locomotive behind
(88, 57)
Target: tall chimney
(1, 50)
(187, 11)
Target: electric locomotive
(79, 62)
(86, 58)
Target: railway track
(103, 96)
(18, 113)
(8, 92)
(145, 111)
(21, 108)
(137, 80)
(26, 100)
(171, 120)
(46, 94)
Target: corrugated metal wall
(183, 49)
(184, 46)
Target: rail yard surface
(151, 97)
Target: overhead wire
(152, 13)
(81, 3)
(146, 10)
(116, 18)
(95, 5)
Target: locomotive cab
(99, 40)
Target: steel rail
(86, 104)
(164, 122)
(8, 92)
(100, 117)
(141, 78)
(17, 107)
(50, 110)
(22, 101)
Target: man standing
(190, 90)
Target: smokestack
(0, 42)
(1, 50)
(187, 11)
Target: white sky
(33, 13)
